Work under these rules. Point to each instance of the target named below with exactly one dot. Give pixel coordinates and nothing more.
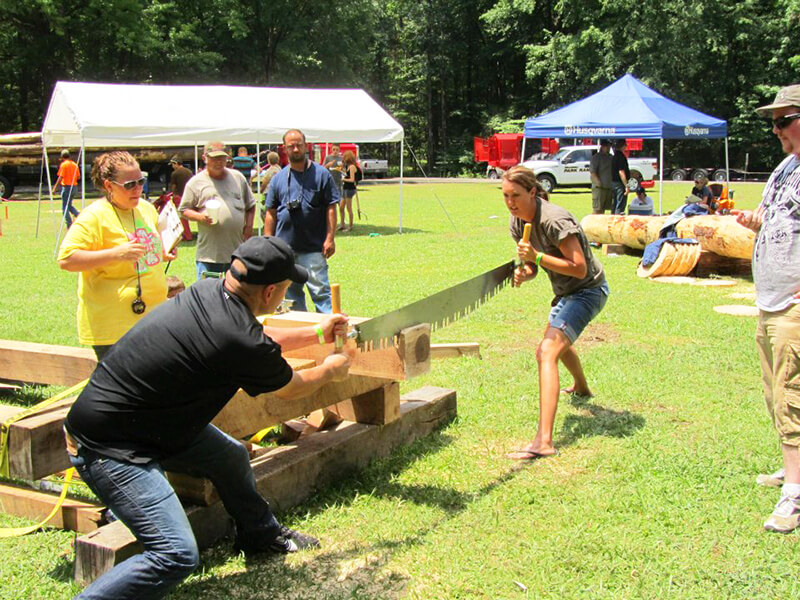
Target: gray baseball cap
(787, 96)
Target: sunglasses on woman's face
(129, 185)
(785, 121)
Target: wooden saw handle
(336, 308)
(526, 237)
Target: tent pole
(660, 175)
(727, 168)
(522, 152)
(402, 142)
(83, 172)
(258, 172)
(196, 161)
(41, 179)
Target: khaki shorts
(778, 341)
(602, 200)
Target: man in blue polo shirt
(301, 210)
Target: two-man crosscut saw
(439, 309)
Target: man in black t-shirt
(619, 177)
(148, 407)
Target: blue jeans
(620, 197)
(212, 268)
(141, 497)
(573, 313)
(318, 285)
(67, 210)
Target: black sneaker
(285, 542)
(302, 541)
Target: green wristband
(539, 256)
(320, 335)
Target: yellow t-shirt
(105, 293)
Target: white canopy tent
(102, 115)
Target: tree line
(447, 70)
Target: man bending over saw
(148, 406)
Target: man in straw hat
(776, 273)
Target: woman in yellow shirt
(116, 248)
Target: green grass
(653, 493)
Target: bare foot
(586, 393)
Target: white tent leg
(727, 168)
(402, 142)
(660, 175)
(258, 192)
(522, 152)
(41, 179)
(196, 159)
(83, 172)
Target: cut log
(634, 231)
(410, 358)
(286, 476)
(673, 260)
(714, 264)
(720, 234)
(74, 515)
(45, 364)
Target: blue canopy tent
(629, 109)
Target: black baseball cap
(268, 260)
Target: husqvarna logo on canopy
(689, 130)
(574, 130)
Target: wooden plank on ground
(75, 515)
(456, 350)
(288, 475)
(45, 364)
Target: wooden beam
(245, 414)
(456, 350)
(287, 476)
(410, 358)
(45, 364)
(36, 446)
(378, 407)
(75, 515)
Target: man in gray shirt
(776, 274)
(333, 162)
(221, 202)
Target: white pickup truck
(570, 167)
(374, 167)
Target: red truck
(503, 150)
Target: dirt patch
(598, 333)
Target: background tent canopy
(118, 115)
(626, 109)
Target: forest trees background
(446, 69)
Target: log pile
(725, 247)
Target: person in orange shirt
(68, 175)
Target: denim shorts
(573, 313)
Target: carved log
(720, 234)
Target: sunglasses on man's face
(129, 185)
(785, 121)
